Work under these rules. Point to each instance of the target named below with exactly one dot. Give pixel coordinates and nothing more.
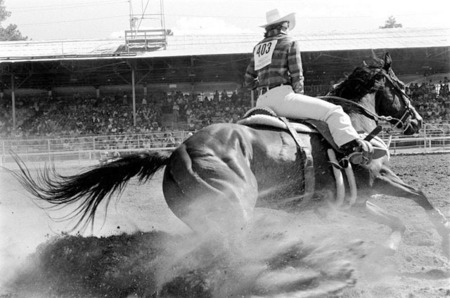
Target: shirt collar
(274, 32)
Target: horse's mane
(362, 81)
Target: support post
(133, 88)
(13, 101)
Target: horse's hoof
(394, 242)
(382, 251)
(389, 251)
(285, 280)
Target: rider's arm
(295, 67)
(251, 76)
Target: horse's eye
(378, 77)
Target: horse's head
(377, 88)
(391, 100)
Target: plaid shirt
(285, 68)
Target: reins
(365, 111)
(404, 121)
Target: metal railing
(92, 147)
(99, 147)
(152, 38)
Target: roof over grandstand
(197, 45)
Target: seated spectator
(224, 96)
(234, 97)
(175, 112)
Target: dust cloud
(140, 249)
(276, 255)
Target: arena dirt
(140, 248)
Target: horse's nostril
(416, 124)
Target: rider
(275, 70)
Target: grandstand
(63, 88)
(206, 58)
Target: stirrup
(359, 158)
(356, 158)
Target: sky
(103, 19)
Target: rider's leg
(292, 105)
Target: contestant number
(263, 54)
(264, 49)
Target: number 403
(263, 49)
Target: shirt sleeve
(251, 76)
(296, 68)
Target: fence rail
(103, 147)
(93, 147)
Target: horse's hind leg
(389, 183)
(211, 194)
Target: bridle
(404, 121)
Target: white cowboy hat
(273, 17)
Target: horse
(216, 178)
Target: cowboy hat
(273, 17)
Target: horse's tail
(92, 186)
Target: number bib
(263, 54)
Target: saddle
(264, 116)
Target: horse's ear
(375, 58)
(387, 61)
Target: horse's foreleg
(381, 216)
(388, 183)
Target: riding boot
(358, 151)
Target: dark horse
(215, 178)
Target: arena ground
(141, 246)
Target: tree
(391, 23)
(10, 32)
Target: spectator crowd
(78, 116)
(431, 100)
(112, 115)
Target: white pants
(285, 102)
